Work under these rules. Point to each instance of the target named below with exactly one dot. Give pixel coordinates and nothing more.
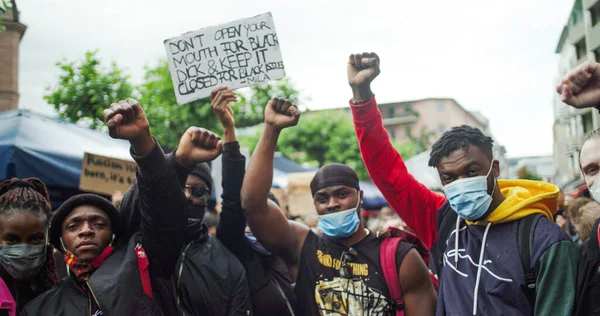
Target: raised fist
(198, 145)
(580, 88)
(362, 69)
(281, 113)
(126, 120)
(219, 103)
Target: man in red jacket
(473, 230)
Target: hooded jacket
(208, 279)
(116, 286)
(466, 289)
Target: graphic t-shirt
(321, 290)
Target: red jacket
(414, 203)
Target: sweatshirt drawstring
(456, 242)
(483, 244)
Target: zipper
(179, 277)
(287, 302)
(94, 296)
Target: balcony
(403, 120)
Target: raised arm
(580, 88)
(267, 221)
(414, 203)
(232, 223)
(161, 200)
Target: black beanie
(332, 175)
(202, 170)
(65, 209)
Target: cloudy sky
(496, 57)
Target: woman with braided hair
(27, 266)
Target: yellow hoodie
(522, 198)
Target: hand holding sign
(362, 69)
(580, 88)
(280, 113)
(198, 145)
(127, 120)
(220, 99)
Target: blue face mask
(468, 197)
(341, 224)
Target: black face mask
(194, 214)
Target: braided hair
(30, 194)
(460, 137)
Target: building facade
(10, 39)
(578, 42)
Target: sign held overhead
(237, 54)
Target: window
(391, 111)
(581, 48)
(577, 13)
(440, 105)
(597, 53)
(595, 13)
(408, 110)
(441, 127)
(587, 121)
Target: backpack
(387, 255)
(525, 236)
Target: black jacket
(116, 286)
(208, 279)
(588, 277)
(268, 275)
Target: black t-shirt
(321, 290)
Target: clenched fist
(281, 113)
(362, 70)
(127, 120)
(198, 145)
(580, 88)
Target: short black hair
(460, 137)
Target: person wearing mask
(485, 266)
(339, 273)
(268, 277)
(208, 278)
(27, 264)
(580, 88)
(112, 273)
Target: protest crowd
(481, 246)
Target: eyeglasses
(347, 257)
(197, 191)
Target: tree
(326, 137)
(169, 120)
(85, 89)
(525, 173)
(422, 141)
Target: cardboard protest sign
(236, 54)
(106, 175)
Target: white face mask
(595, 190)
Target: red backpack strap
(144, 268)
(387, 256)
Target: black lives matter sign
(236, 54)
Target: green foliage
(525, 173)
(422, 141)
(85, 89)
(4, 6)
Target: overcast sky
(496, 57)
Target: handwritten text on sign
(237, 54)
(106, 175)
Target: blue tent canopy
(33, 145)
